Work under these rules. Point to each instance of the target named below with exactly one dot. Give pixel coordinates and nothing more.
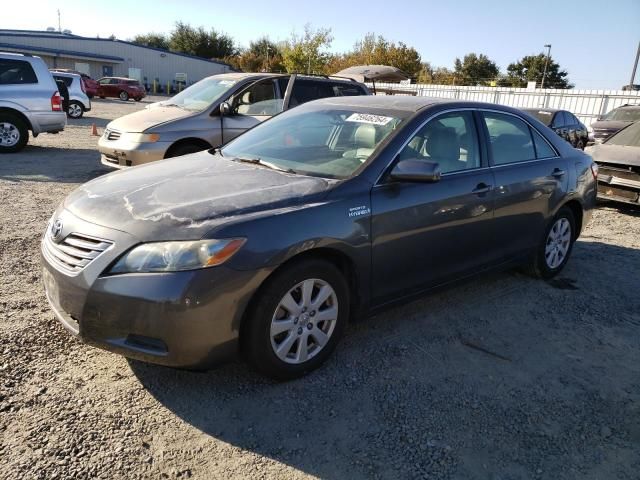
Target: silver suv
(210, 113)
(29, 100)
(78, 99)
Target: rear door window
(13, 72)
(307, 90)
(509, 138)
(347, 90)
(558, 120)
(67, 80)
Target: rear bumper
(47, 122)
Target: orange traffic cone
(94, 130)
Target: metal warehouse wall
(587, 105)
(153, 63)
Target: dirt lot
(503, 378)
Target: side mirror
(225, 109)
(416, 170)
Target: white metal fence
(587, 105)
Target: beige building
(102, 57)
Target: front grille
(75, 252)
(112, 134)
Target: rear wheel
(75, 110)
(124, 96)
(297, 320)
(14, 133)
(580, 144)
(553, 252)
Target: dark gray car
(325, 213)
(613, 122)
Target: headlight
(177, 256)
(141, 137)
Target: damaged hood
(617, 154)
(185, 197)
(142, 120)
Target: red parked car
(122, 88)
(90, 85)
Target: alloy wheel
(75, 111)
(9, 134)
(558, 243)
(304, 321)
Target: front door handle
(481, 188)
(557, 172)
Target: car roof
(121, 78)
(628, 105)
(547, 110)
(259, 75)
(389, 102)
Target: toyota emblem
(56, 229)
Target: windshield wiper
(259, 161)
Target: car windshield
(330, 143)
(544, 117)
(630, 136)
(201, 95)
(623, 114)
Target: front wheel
(297, 320)
(75, 110)
(553, 252)
(124, 96)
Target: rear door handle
(481, 188)
(557, 172)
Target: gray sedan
(338, 208)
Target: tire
(580, 144)
(543, 263)
(184, 149)
(137, 99)
(102, 97)
(14, 133)
(318, 326)
(75, 110)
(124, 96)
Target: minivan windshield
(329, 143)
(201, 95)
(623, 114)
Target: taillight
(82, 85)
(594, 171)
(56, 102)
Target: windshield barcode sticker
(368, 118)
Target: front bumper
(122, 153)
(619, 184)
(182, 319)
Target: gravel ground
(504, 378)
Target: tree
(197, 41)
(155, 40)
(308, 53)
(531, 68)
(475, 70)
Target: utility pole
(635, 67)
(59, 27)
(546, 63)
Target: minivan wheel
(14, 134)
(297, 320)
(75, 110)
(184, 149)
(554, 251)
(124, 96)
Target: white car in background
(79, 101)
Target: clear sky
(595, 40)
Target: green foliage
(475, 70)
(307, 53)
(199, 42)
(531, 67)
(155, 40)
(376, 50)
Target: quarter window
(16, 72)
(510, 138)
(543, 150)
(450, 140)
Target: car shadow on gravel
(507, 377)
(620, 207)
(52, 164)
